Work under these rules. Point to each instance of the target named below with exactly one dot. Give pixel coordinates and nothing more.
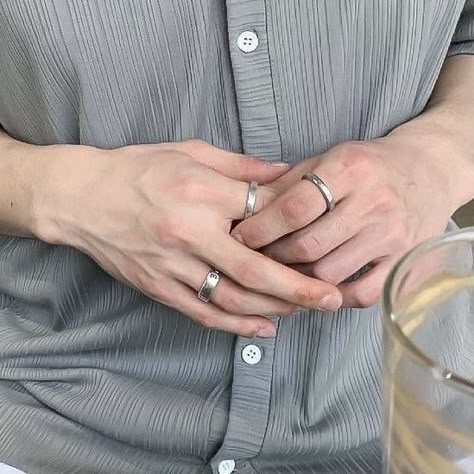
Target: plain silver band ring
(208, 285)
(323, 189)
(251, 198)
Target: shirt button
(226, 467)
(251, 354)
(247, 41)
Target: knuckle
(367, 293)
(246, 166)
(296, 210)
(325, 273)
(306, 296)
(155, 288)
(165, 229)
(188, 186)
(252, 233)
(247, 273)
(341, 226)
(248, 330)
(195, 143)
(385, 199)
(179, 157)
(399, 234)
(366, 296)
(356, 158)
(206, 320)
(231, 301)
(171, 232)
(307, 248)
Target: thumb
(233, 165)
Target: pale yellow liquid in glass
(415, 427)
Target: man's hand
(389, 198)
(158, 218)
(391, 194)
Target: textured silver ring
(251, 199)
(323, 189)
(208, 285)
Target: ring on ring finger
(208, 285)
(323, 189)
(251, 199)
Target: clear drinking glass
(428, 306)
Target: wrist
(442, 145)
(23, 178)
(67, 172)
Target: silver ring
(251, 198)
(208, 285)
(323, 189)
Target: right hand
(157, 217)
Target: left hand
(390, 195)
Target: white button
(6, 469)
(247, 41)
(226, 467)
(251, 354)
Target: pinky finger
(367, 289)
(210, 316)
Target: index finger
(261, 274)
(289, 212)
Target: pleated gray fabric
(96, 378)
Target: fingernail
(238, 237)
(330, 302)
(278, 163)
(267, 331)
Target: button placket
(253, 360)
(250, 402)
(250, 57)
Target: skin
(391, 193)
(138, 211)
(158, 217)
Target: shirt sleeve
(463, 39)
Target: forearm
(21, 170)
(30, 184)
(446, 129)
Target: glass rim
(389, 316)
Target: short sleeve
(463, 39)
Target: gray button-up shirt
(95, 377)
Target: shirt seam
(276, 97)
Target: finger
(293, 175)
(320, 237)
(366, 290)
(227, 294)
(233, 194)
(258, 273)
(296, 208)
(209, 316)
(350, 257)
(233, 165)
